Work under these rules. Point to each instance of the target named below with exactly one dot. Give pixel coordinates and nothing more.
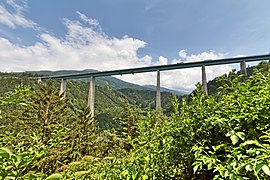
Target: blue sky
(112, 34)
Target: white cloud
(205, 56)
(183, 54)
(161, 61)
(175, 61)
(184, 78)
(86, 46)
(90, 21)
(16, 18)
(83, 47)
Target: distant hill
(214, 84)
(109, 81)
(111, 94)
(163, 89)
(101, 81)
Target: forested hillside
(113, 82)
(111, 94)
(223, 136)
(215, 83)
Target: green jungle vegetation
(223, 136)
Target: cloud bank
(86, 46)
(15, 16)
(184, 78)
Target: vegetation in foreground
(223, 136)
(111, 95)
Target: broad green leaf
(195, 168)
(125, 173)
(147, 158)
(7, 168)
(239, 178)
(252, 142)
(144, 177)
(266, 170)
(230, 133)
(232, 176)
(23, 104)
(248, 167)
(227, 174)
(134, 174)
(241, 135)
(219, 147)
(258, 167)
(81, 173)
(234, 164)
(234, 139)
(55, 176)
(5, 152)
(229, 166)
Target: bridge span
(203, 64)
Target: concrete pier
(204, 83)
(158, 96)
(63, 89)
(243, 68)
(39, 81)
(91, 96)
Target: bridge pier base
(91, 96)
(243, 68)
(63, 89)
(204, 83)
(39, 81)
(158, 96)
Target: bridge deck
(160, 68)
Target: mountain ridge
(163, 89)
(108, 81)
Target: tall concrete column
(158, 96)
(204, 83)
(243, 68)
(91, 96)
(63, 88)
(39, 81)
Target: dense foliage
(223, 136)
(111, 94)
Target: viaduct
(202, 64)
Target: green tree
(83, 134)
(46, 111)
